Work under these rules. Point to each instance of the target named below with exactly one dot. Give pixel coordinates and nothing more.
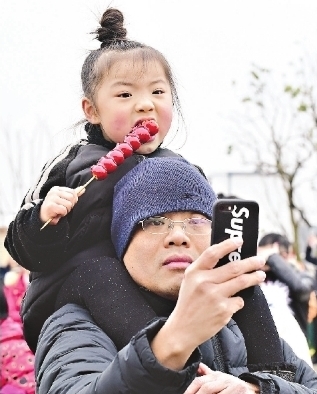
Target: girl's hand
(58, 202)
(214, 382)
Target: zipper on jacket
(219, 359)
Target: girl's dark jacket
(53, 253)
(75, 356)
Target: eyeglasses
(162, 225)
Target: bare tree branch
(278, 134)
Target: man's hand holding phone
(207, 300)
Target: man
(161, 230)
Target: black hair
(272, 238)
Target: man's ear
(90, 111)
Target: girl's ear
(90, 111)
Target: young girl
(124, 83)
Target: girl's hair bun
(111, 29)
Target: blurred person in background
(311, 248)
(15, 280)
(287, 289)
(311, 260)
(4, 268)
(16, 358)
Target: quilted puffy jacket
(52, 254)
(75, 356)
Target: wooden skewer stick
(78, 192)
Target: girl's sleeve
(33, 249)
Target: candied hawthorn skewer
(140, 134)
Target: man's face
(158, 261)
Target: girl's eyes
(125, 95)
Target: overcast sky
(208, 43)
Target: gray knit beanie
(154, 187)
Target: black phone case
(236, 218)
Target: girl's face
(130, 93)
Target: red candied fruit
(133, 140)
(116, 155)
(99, 172)
(125, 148)
(151, 125)
(139, 135)
(142, 133)
(108, 163)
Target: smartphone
(233, 218)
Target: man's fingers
(203, 369)
(239, 267)
(210, 257)
(218, 382)
(233, 286)
(211, 383)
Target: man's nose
(177, 235)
